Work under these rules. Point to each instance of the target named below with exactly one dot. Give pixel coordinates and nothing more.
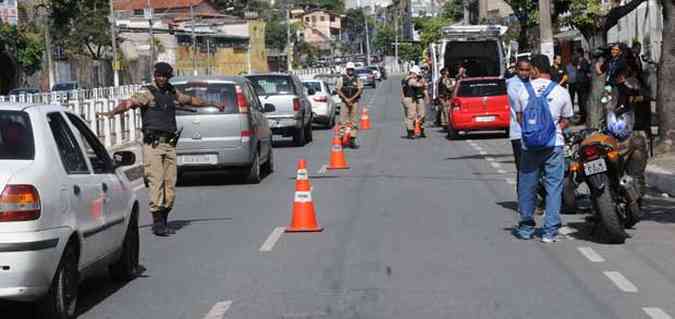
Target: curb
(661, 179)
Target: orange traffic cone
(302, 178)
(337, 155)
(303, 218)
(364, 124)
(418, 128)
(346, 135)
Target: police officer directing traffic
(160, 136)
(349, 88)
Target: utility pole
(467, 13)
(365, 20)
(113, 33)
(545, 31)
(396, 40)
(194, 40)
(148, 16)
(48, 48)
(289, 44)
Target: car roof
(15, 106)
(269, 74)
(207, 78)
(481, 78)
(312, 80)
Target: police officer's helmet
(164, 69)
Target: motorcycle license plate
(595, 167)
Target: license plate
(595, 167)
(205, 159)
(485, 118)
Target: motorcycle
(614, 194)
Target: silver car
(238, 138)
(323, 105)
(293, 115)
(65, 208)
(367, 76)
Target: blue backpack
(538, 128)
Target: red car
(479, 104)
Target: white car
(65, 208)
(323, 104)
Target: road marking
(483, 153)
(490, 159)
(477, 148)
(219, 310)
(323, 169)
(620, 281)
(469, 141)
(566, 232)
(272, 239)
(501, 171)
(656, 313)
(591, 255)
(495, 165)
(511, 181)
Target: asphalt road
(415, 229)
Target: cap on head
(163, 68)
(416, 70)
(350, 65)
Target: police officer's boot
(158, 227)
(165, 220)
(411, 135)
(353, 144)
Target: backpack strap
(549, 89)
(530, 89)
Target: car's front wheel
(126, 267)
(61, 299)
(308, 132)
(299, 137)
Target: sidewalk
(660, 173)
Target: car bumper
(228, 158)
(277, 123)
(470, 122)
(28, 261)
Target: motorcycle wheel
(610, 223)
(634, 215)
(569, 196)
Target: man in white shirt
(514, 88)
(549, 162)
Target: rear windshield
(479, 88)
(266, 85)
(361, 71)
(316, 86)
(64, 87)
(212, 93)
(16, 136)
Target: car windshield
(63, 87)
(212, 93)
(362, 71)
(480, 88)
(374, 68)
(16, 136)
(316, 86)
(267, 85)
(23, 91)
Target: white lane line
(511, 181)
(591, 255)
(495, 165)
(620, 281)
(501, 171)
(656, 313)
(477, 147)
(272, 239)
(483, 153)
(323, 169)
(566, 232)
(469, 141)
(219, 310)
(490, 159)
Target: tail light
(242, 102)
(613, 155)
(591, 152)
(321, 98)
(19, 203)
(575, 167)
(296, 104)
(246, 135)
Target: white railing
(119, 131)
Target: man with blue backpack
(543, 111)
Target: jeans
(517, 147)
(552, 162)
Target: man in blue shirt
(514, 88)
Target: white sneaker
(549, 240)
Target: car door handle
(104, 187)
(76, 190)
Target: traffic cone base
(364, 124)
(418, 129)
(337, 155)
(304, 217)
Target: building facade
(321, 28)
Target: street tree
(81, 27)
(384, 38)
(24, 45)
(666, 76)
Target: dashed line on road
(591, 255)
(323, 169)
(219, 310)
(511, 181)
(656, 313)
(272, 239)
(495, 165)
(490, 159)
(483, 153)
(501, 171)
(620, 281)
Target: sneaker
(549, 240)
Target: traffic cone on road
(302, 177)
(418, 128)
(346, 135)
(303, 217)
(337, 155)
(364, 124)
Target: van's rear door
(207, 129)
(483, 96)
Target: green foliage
(453, 10)
(81, 27)
(584, 13)
(410, 52)
(384, 38)
(430, 29)
(24, 44)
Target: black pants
(582, 91)
(517, 151)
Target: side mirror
(311, 92)
(269, 108)
(123, 158)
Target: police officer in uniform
(445, 86)
(349, 88)
(413, 93)
(158, 112)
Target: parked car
(479, 104)
(22, 91)
(323, 105)
(293, 114)
(66, 86)
(367, 76)
(380, 73)
(66, 209)
(238, 138)
(331, 82)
